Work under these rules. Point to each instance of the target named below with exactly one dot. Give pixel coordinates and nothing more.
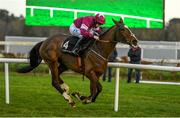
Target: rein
(98, 55)
(103, 41)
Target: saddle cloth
(69, 44)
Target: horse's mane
(102, 34)
(97, 46)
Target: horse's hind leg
(56, 82)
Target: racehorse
(94, 59)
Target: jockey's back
(85, 24)
(88, 21)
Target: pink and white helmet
(100, 18)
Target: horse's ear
(121, 20)
(115, 22)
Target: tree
(4, 14)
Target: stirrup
(74, 52)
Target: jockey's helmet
(100, 18)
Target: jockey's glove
(96, 37)
(95, 33)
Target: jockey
(87, 27)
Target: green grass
(33, 95)
(143, 8)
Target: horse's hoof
(72, 104)
(76, 95)
(86, 101)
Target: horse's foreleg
(93, 87)
(99, 89)
(65, 87)
(94, 90)
(56, 82)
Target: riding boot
(76, 48)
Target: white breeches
(75, 31)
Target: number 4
(66, 45)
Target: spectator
(135, 58)
(112, 58)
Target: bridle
(102, 41)
(114, 38)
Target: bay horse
(94, 59)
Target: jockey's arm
(98, 30)
(85, 26)
(85, 32)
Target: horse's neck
(104, 48)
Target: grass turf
(33, 95)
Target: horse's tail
(34, 57)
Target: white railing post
(176, 51)
(32, 11)
(6, 68)
(116, 98)
(148, 23)
(7, 83)
(122, 18)
(51, 13)
(75, 14)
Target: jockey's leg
(75, 31)
(82, 44)
(76, 48)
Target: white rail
(137, 66)
(115, 65)
(94, 12)
(30, 43)
(21, 43)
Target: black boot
(76, 48)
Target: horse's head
(123, 34)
